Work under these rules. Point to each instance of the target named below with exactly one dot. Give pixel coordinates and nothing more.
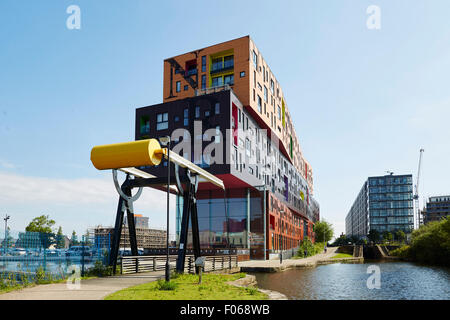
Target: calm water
(340, 281)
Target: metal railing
(136, 264)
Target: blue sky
(363, 101)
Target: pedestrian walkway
(276, 266)
(90, 289)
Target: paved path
(91, 289)
(274, 265)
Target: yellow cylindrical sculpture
(127, 154)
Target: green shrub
(401, 252)
(163, 285)
(430, 244)
(251, 290)
(40, 275)
(311, 248)
(99, 269)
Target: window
(266, 99)
(254, 78)
(255, 60)
(216, 64)
(259, 104)
(217, 108)
(162, 121)
(178, 86)
(203, 82)
(207, 113)
(197, 111)
(203, 63)
(264, 73)
(217, 81)
(228, 62)
(248, 146)
(279, 113)
(217, 138)
(242, 74)
(186, 117)
(176, 118)
(228, 79)
(145, 125)
(186, 87)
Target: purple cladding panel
(286, 188)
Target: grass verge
(342, 255)
(186, 287)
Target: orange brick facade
(285, 229)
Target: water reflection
(399, 281)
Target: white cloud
(15, 189)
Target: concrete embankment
(250, 281)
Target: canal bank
(270, 266)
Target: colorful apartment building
(225, 101)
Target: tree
(387, 236)
(341, 241)
(74, 239)
(354, 239)
(400, 235)
(373, 235)
(42, 224)
(8, 240)
(324, 231)
(60, 239)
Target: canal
(341, 281)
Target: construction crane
(416, 192)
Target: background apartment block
(437, 208)
(385, 203)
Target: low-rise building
(146, 238)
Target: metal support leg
(117, 233)
(195, 231)
(131, 224)
(184, 231)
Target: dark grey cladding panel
(176, 120)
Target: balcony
(212, 90)
(220, 68)
(191, 72)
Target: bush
(163, 285)
(311, 248)
(402, 252)
(430, 244)
(99, 269)
(251, 290)
(40, 275)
